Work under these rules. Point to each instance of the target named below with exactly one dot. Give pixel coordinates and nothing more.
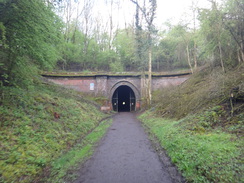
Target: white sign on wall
(91, 86)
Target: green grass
(200, 124)
(209, 155)
(64, 168)
(38, 125)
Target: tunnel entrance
(123, 99)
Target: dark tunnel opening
(123, 99)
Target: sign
(91, 86)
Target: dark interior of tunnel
(123, 99)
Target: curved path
(125, 155)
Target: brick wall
(79, 84)
(160, 82)
(106, 85)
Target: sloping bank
(45, 130)
(201, 157)
(199, 127)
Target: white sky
(172, 10)
(123, 11)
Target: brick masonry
(105, 85)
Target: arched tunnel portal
(124, 97)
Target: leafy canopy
(29, 35)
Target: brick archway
(130, 85)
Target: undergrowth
(206, 88)
(38, 124)
(200, 125)
(201, 155)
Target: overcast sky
(173, 11)
(167, 10)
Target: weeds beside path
(201, 156)
(38, 125)
(65, 168)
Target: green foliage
(220, 33)
(2, 35)
(37, 126)
(116, 66)
(216, 41)
(80, 52)
(30, 33)
(201, 134)
(171, 51)
(201, 156)
(125, 46)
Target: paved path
(125, 155)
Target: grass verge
(201, 156)
(65, 168)
(39, 124)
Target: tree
(214, 35)
(124, 43)
(149, 15)
(87, 24)
(141, 40)
(194, 14)
(222, 33)
(175, 49)
(30, 34)
(233, 22)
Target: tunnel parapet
(106, 84)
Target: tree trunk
(195, 55)
(194, 31)
(221, 57)
(188, 58)
(158, 65)
(150, 76)
(239, 56)
(242, 52)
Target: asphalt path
(125, 155)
